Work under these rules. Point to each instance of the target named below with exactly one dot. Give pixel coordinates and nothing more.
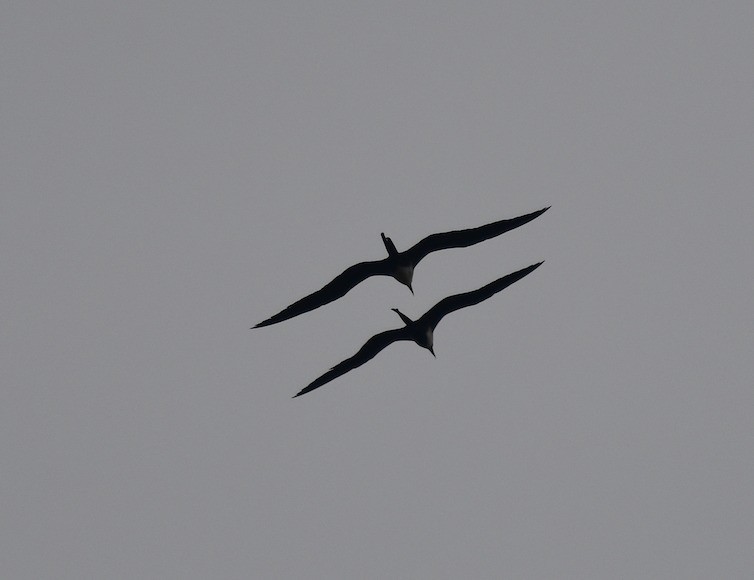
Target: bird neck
(389, 246)
(406, 320)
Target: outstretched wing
(464, 238)
(368, 351)
(332, 291)
(452, 303)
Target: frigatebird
(399, 265)
(420, 330)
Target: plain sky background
(172, 173)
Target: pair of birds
(400, 265)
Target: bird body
(420, 331)
(399, 265)
(404, 275)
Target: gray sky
(172, 173)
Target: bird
(399, 265)
(421, 330)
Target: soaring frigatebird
(399, 265)
(421, 330)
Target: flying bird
(420, 330)
(399, 265)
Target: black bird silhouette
(421, 330)
(399, 265)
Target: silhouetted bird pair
(400, 265)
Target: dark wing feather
(368, 351)
(452, 303)
(332, 291)
(464, 238)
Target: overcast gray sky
(172, 173)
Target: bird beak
(409, 287)
(432, 351)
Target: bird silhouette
(420, 330)
(399, 265)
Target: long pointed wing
(464, 238)
(368, 351)
(452, 303)
(332, 291)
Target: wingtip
(533, 215)
(264, 323)
(529, 269)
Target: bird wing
(464, 238)
(368, 351)
(332, 291)
(452, 303)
